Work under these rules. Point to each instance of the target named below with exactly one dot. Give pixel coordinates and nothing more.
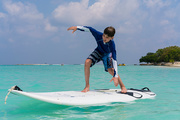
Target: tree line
(168, 54)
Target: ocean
(164, 81)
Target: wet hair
(110, 31)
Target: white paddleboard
(93, 97)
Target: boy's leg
(87, 74)
(93, 58)
(123, 88)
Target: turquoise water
(164, 81)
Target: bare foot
(123, 90)
(85, 89)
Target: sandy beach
(175, 64)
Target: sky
(35, 31)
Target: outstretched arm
(81, 28)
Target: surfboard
(98, 96)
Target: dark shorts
(95, 56)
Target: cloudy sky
(35, 31)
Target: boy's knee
(88, 62)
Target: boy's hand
(115, 81)
(74, 28)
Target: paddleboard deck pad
(98, 96)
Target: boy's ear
(113, 37)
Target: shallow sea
(164, 81)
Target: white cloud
(2, 15)
(100, 12)
(23, 11)
(156, 3)
(10, 40)
(170, 13)
(129, 28)
(164, 22)
(74, 11)
(49, 27)
(111, 12)
(25, 20)
(169, 33)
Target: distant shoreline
(175, 64)
(40, 64)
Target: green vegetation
(168, 54)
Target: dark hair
(110, 31)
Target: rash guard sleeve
(115, 68)
(82, 28)
(114, 61)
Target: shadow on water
(41, 110)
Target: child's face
(106, 38)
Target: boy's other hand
(74, 28)
(115, 81)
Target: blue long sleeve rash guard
(102, 48)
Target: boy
(105, 51)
